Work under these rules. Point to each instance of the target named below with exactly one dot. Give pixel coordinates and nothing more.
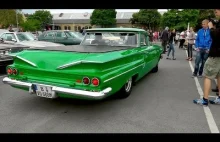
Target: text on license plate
(43, 91)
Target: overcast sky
(29, 11)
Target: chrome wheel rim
(128, 85)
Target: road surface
(160, 103)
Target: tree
(43, 16)
(31, 25)
(147, 17)
(179, 19)
(204, 14)
(8, 17)
(103, 17)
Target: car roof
(117, 29)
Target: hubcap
(128, 85)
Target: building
(76, 21)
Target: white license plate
(44, 91)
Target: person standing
(203, 43)
(10, 29)
(171, 44)
(182, 39)
(191, 38)
(212, 65)
(165, 38)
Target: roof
(59, 18)
(117, 29)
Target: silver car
(24, 38)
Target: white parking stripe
(211, 122)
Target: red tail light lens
(14, 71)
(9, 71)
(86, 80)
(95, 81)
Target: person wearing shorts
(212, 65)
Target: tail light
(86, 80)
(14, 72)
(9, 71)
(95, 81)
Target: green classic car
(61, 36)
(95, 69)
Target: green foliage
(8, 17)
(204, 14)
(43, 16)
(179, 19)
(103, 17)
(147, 17)
(31, 25)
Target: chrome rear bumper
(56, 89)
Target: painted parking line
(209, 117)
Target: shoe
(190, 59)
(194, 75)
(200, 102)
(216, 101)
(200, 76)
(187, 58)
(168, 58)
(215, 90)
(174, 58)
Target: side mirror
(1, 39)
(14, 40)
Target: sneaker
(194, 75)
(200, 76)
(216, 101)
(200, 102)
(168, 58)
(174, 58)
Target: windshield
(25, 37)
(76, 34)
(110, 38)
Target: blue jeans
(201, 57)
(171, 48)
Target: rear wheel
(126, 89)
(155, 69)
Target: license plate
(43, 91)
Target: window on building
(65, 28)
(90, 27)
(61, 14)
(79, 28)
(69, 28)
(75, 28)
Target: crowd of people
(207, 60)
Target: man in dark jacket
(212, 65)
(165, 38)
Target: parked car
(25, 38)
(61, 36)
(6, 50)
(91, 70)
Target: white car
(26, 39)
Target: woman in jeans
(171, 44)
(191, 38)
